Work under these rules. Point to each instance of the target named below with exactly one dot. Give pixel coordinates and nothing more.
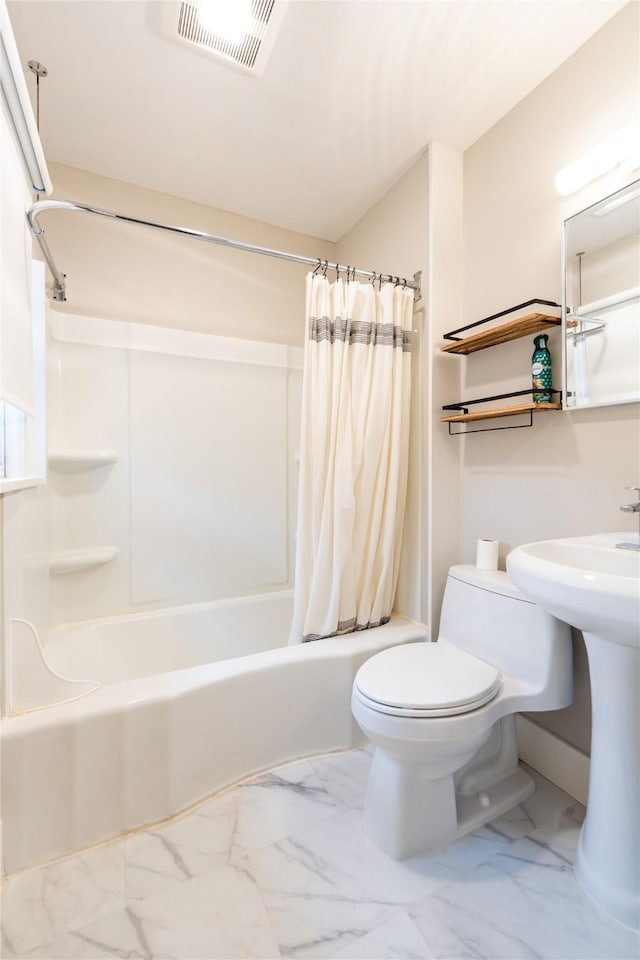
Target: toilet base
(420, 799)
(438, 816)
(475, 811)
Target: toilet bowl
(441, 715)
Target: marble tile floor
(279, 866)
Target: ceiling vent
(240, 33)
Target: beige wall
(567, 474)
(417, 225)
(445, 305)
(131, 273)
(393, 237)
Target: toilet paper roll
(487, 555)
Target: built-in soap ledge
(75, 561)
(76, 461)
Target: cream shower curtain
(353, 456)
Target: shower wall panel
(208, 478)
(88, 409)
(200, 502)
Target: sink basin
(585, 581)
(591, 584)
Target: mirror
(601, 302)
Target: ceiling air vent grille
(244, 53)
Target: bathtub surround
(221, 519)
(279, 866)
(354, 449)
(35, 683)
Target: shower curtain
(353, 456)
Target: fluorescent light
(622, 147)
(229, 19)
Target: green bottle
(541, 370)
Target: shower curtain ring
(317, 267)
(325, 268)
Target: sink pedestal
(592, 585)
(608, 859)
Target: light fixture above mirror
(620, 150)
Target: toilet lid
(416, 679)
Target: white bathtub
(132, 647)
(192, 700)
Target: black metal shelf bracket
(512, 426)
(503, 313)
(463, 407)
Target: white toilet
(442, 715)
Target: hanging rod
(578, 333)
(624, 296)
(59, 279)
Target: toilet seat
(425, 680)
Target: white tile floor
(279, 867)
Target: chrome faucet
(631, 508)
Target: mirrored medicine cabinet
(601, 302)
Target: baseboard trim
(555, 759)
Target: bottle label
(541, 376)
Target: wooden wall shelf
(513, 330)
(503, 333)
(501, 412)
(495, 414)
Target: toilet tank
(485, 614)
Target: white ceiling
(352, 93)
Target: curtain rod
(59, 279)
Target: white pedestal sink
(592, 585)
